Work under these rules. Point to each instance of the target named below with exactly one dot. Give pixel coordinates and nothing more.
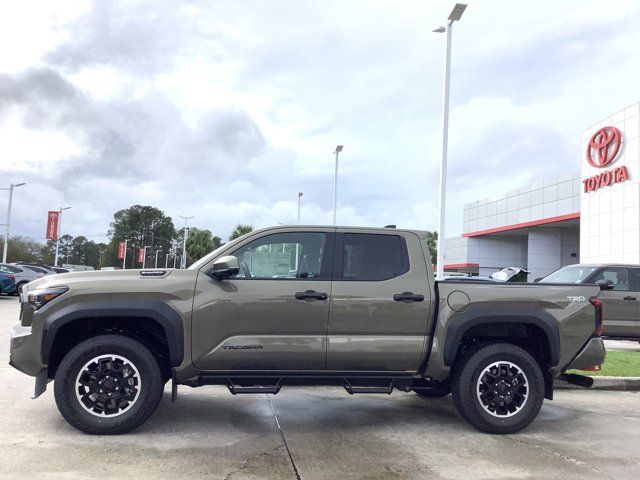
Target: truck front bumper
(24, 353)
(592, 354)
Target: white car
(23, 275)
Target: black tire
(127, 415)
(19, 288)
(434, 392)
(474, 401)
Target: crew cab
(303, 305)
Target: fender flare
(479, 315)
(169, 319)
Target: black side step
(239, 389)
(353, 389)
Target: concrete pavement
(320, 433)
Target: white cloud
(226, 110)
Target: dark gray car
(620, 294)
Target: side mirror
(225, 267)
(605, 284)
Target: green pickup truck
(355, 307)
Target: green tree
(240, 230)
(141, 226)
(432, 245)
(199, 243)
(22, 249)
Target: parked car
(23, 275)
(620, 294)
(60, 269)
(356, 307)
(7, 283)
(42, 270)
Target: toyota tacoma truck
(353, 307)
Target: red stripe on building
(516, 226)
(462, 265)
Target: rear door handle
(629, 297)
(408, 297)
(311, 295)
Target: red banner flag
(141, 255)
(121, 249)
(52, 225)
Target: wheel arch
(152, 314)
(492, 322)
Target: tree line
(140, 225)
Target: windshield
(572, 274)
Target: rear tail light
(597, 304)
(12, 277)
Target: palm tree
(199, 243)
(432, 245)
(240, 230)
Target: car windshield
(573, 274)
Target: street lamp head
(300, 194)
(18, 184)
(440, 29)
(457, 12)
(338, 149)
(64, 208)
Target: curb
(604, 383)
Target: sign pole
(124, 257)
(55, 262)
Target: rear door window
(372, 257)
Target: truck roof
(420, 233)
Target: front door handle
(629, 297)
(408, 297)
(311, 295)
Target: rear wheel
(498, 388)
(107, 385)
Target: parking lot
(315, 433)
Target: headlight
(38, 298)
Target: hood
(89, 279)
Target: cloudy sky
(225, 110)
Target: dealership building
(591, 214)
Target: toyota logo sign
(603, 147)
(602, 150)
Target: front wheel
(108, 384)
(19, 288)
(498, 388)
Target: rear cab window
(370, 257)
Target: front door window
(283, 256)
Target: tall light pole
(62, 209)
(8, 224)
(183, 260)
(156, 264)
(299, 201)
(335, 183)
(454, 16)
